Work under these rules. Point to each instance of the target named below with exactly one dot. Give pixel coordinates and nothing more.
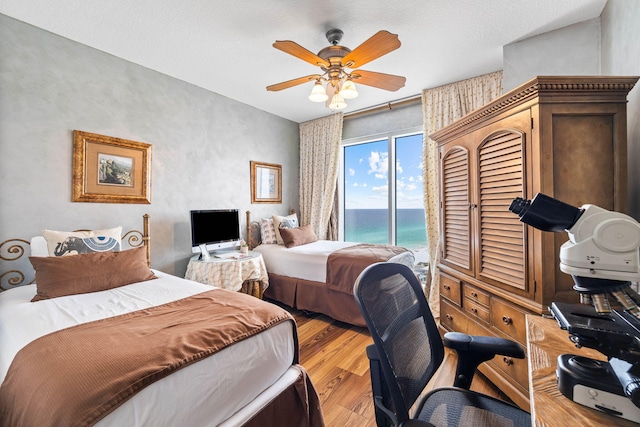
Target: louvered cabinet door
(455, 210)
(501, 253)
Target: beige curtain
(442, 106)
(319, 156)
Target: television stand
(246, 273)
(204, 253)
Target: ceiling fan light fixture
(337, 102)
(348, 90)
(318, 93)
(335, 84)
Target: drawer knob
(449, 317)
(446, 287)
(474, 294)
(507, 361)
(507, 320)
(474, 311)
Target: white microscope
(603, 257)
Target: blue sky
(367, 170)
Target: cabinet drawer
(476, 295)
(514, 368)
(451, 318)
(476, 309)
(509, 320)
(450, 288)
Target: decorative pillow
(267, 231)
(277, 220)
(298, 236)
(288, 223)
(38, 246)
(92, 272)
(62, 243)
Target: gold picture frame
(266, 183)
(110, 170)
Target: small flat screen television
(214, 229)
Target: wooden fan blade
(293, 48)
(377, 45)
(291, 83)
(380, 80)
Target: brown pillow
(298, 236)
(93, 272)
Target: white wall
(620, 23)
(202, 142)
(572, 50)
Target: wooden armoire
(565, 137)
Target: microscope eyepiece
(519, 206)
(545, 213)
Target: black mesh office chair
(408, 350)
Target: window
(382, 192)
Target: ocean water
(371, 226)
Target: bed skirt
(296, 406)
(314, 296)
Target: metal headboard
(14, 253)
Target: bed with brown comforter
(319, 276)
(109, 342)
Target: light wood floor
(334, 355)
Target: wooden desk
(545, 342)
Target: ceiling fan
(334, 61)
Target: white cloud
(378, 164)
(352, 172)
(381, 189)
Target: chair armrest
(472, 350)
(476, 343)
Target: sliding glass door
(382, 192)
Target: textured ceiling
(225, 45)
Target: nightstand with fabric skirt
(231, 270)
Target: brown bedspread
(76, 376)
(345, 265)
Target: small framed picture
(110, 170)
(266, 183)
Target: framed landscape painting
(110, 170)
(266, 183)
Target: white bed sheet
(202, 394)
(309, 262)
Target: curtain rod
(382, 107)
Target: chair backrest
(404, 332)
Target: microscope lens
(633, 295)
(601, 303)
(626, 302)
